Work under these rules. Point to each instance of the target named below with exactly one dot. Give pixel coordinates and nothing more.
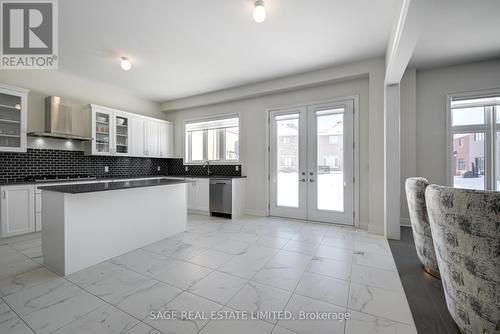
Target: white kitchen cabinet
(111, 131)
(137, 145)
(152, 138)
(166, 140)
(118, 133)
(17, 210)
(198, 195)
(13, 118)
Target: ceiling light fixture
(125, 64)
(259, 12)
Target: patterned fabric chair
(415, 195)
(465, 228)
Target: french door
(312, 162)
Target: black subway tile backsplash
(14, 167)
(176, 167)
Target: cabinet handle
(4, 195)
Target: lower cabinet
(17, 210)
(198, 195)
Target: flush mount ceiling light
(259, 12)
(18, 106)
(125, 64)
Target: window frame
(222, 143)
(489, 129)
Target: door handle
(302, 180)
(311, 180)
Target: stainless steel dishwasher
(221, 203)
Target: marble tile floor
(251, 264)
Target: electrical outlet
(237, 168)
(106, 169)
(186, 168)
(158, 168)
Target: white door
(288, 163)
(312, 162)
(17, 210)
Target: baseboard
(199, 212)
(405, 222)
(260, 213)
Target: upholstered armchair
(415, 195)
(465, 227)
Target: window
(461, 164)
(478, 137)
(213, 140)
(475, 152)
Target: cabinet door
(121, 127)
(152, 138)
(13, 120)
(166, 140)
(17, 210)
(137, 146)
(102, 125)
(191, 190)
(202, 194)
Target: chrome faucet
(207, 164)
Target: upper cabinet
(121, 133)
(13, 119)
(166, 140)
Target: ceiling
(187, 47)
(459, 31)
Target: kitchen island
(85, 224)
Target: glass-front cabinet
(102, 137)
(121, 139)
(120, 133)
(111, 131)
(13, 119)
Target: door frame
(356, 187)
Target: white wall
(42, 83)
(408, 137)
(432, 87)
(253, 136)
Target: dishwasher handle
(224, 182)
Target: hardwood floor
(424, 292)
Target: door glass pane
(330, 154)
(468, 160)
(10, 120)
(102, 132)
(468, 116)
(287, 160)
(121, 134)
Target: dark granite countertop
(209, 176)
(118, 178)
(107, 186)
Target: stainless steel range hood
(65, 119)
